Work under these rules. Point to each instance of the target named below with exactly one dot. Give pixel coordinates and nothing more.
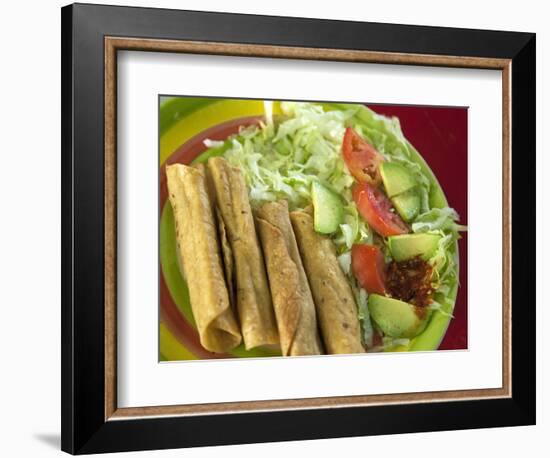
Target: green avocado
(407, 204)
(328, 212)
(397, 318)
(396, 178)
(407, 246)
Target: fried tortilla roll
(199, 252)
(331, 290)
(258, 324)
(292, 300)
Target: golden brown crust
(253, 298)
(292, 299)
(334, 300)
(199, 252)
(227, 258)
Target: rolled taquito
(332, 293)
(292, 299)
(253, 298)
(199, 252)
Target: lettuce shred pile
(280, 161)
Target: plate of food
(297, 229)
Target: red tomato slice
(361, 158)
(369, 268)
(376, 208)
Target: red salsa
(410, 281)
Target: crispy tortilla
(332, 293)
(253, 298)
(292, 299)
(199, 252)
(227, 258)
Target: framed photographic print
(274, 221)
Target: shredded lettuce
(441, 308)
(361, 298)
(213, 143)
(443, 219)
(345, 262)
(282, 161)
(389, 343)
(443, 222)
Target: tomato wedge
(361, 158)
(369, 268)
(376, 208)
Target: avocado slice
(396, 178)
(397, 318)
(407, 204)
(328, 211)
(407, 246)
